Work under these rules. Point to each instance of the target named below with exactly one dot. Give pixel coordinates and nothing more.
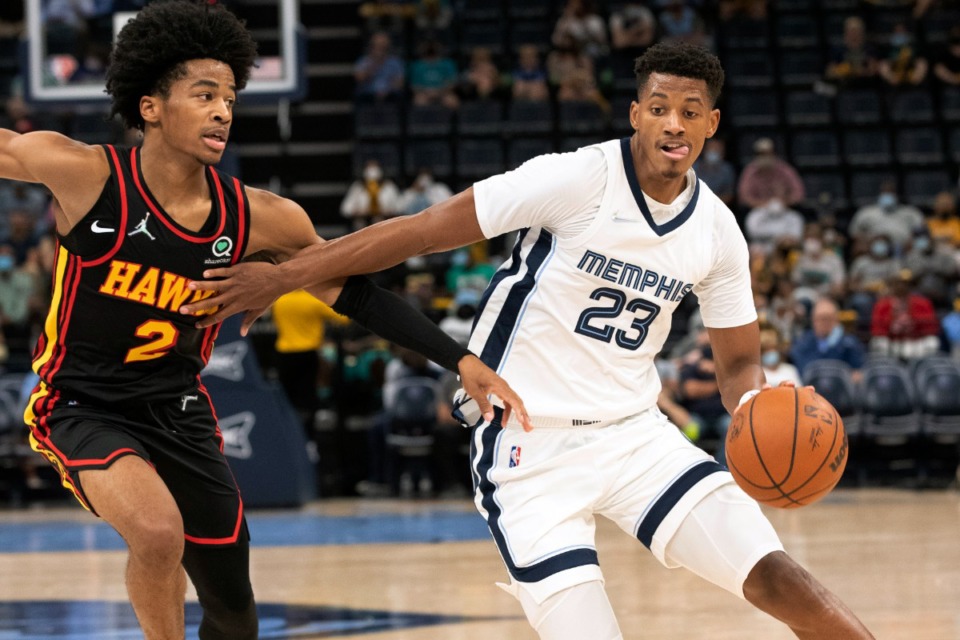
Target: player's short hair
(683, 60)
(151, 50)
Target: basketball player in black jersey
(120, 409)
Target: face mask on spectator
(921, 243)
(900, 39)
(879, 248)
(6, 263)
(372, 174)
(712, 157)
(770, 359)
(775, 206)
(887, 201)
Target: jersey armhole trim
(122, 229)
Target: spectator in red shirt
(904, 323)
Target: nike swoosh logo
(96, 228)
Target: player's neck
(174, 178)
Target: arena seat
(429, 121)
(937, 381)
(478, 158)
(889, 429)
(815, 148)
(433, 154)
(378, 120)
(833, 379)
(411, 411)
(805, 108)
(480, 118)
(919, 146)
(859, 106)
(913, 106)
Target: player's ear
(635, 115)
(714, 122)
(150, 109)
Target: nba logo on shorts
(514, 457)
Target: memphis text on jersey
(151, 286)
(634, 277)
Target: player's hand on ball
(480, 381)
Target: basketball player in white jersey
(612, 237)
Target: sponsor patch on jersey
(222, 248)
(514, 456)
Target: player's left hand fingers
(249, 318)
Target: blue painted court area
(266, 530)
(98, 620)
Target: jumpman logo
(142, 228)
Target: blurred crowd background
(838, 151)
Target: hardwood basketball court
(417, 570)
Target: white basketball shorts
(540, 491)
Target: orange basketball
(786, 447)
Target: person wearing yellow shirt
(301, 322)
(944, 225)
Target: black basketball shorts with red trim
(179, 438)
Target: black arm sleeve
(391, 318)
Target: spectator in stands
(680, 21)
(772, 222)
(459, 321)
(30, 199)
(379, 73)
(904, 64)
(633, 28)
(870, 273)
(572, 72)
(768, 176)
(718, 174)
(21, 236)
(951, 328)
(775, 368)
(529, 78)
(904, 323)
(943, 223)
(481, 79)
(742, 9)
(889, 217)
(371, 198)
(581, 24)
(468, 270)
(425, 191)
(826, 339)
(934, 269)
(301, 321)
(17, 293)
(819, 271)
(947, 65)
(701, 394)
(433, 77)
(388, 15)
(855, 61)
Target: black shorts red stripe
(180, 439)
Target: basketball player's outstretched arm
(281, 228)
(73, 172)
(736, 352)
(448, 225)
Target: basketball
(786, 447)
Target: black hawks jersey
(114, 333)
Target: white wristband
(747, 396)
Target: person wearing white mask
(771, 358)
(888, 217)
(717, 172)
(818, 271)
(424, 192)
(774, 221)
(371, 198)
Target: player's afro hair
(151, 50)
(683, 60)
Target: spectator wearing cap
(769, 177)
(904, 323)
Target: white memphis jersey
(574, 318)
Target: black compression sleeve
(391, 318)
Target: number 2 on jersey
(162, 335)
(604, 332)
